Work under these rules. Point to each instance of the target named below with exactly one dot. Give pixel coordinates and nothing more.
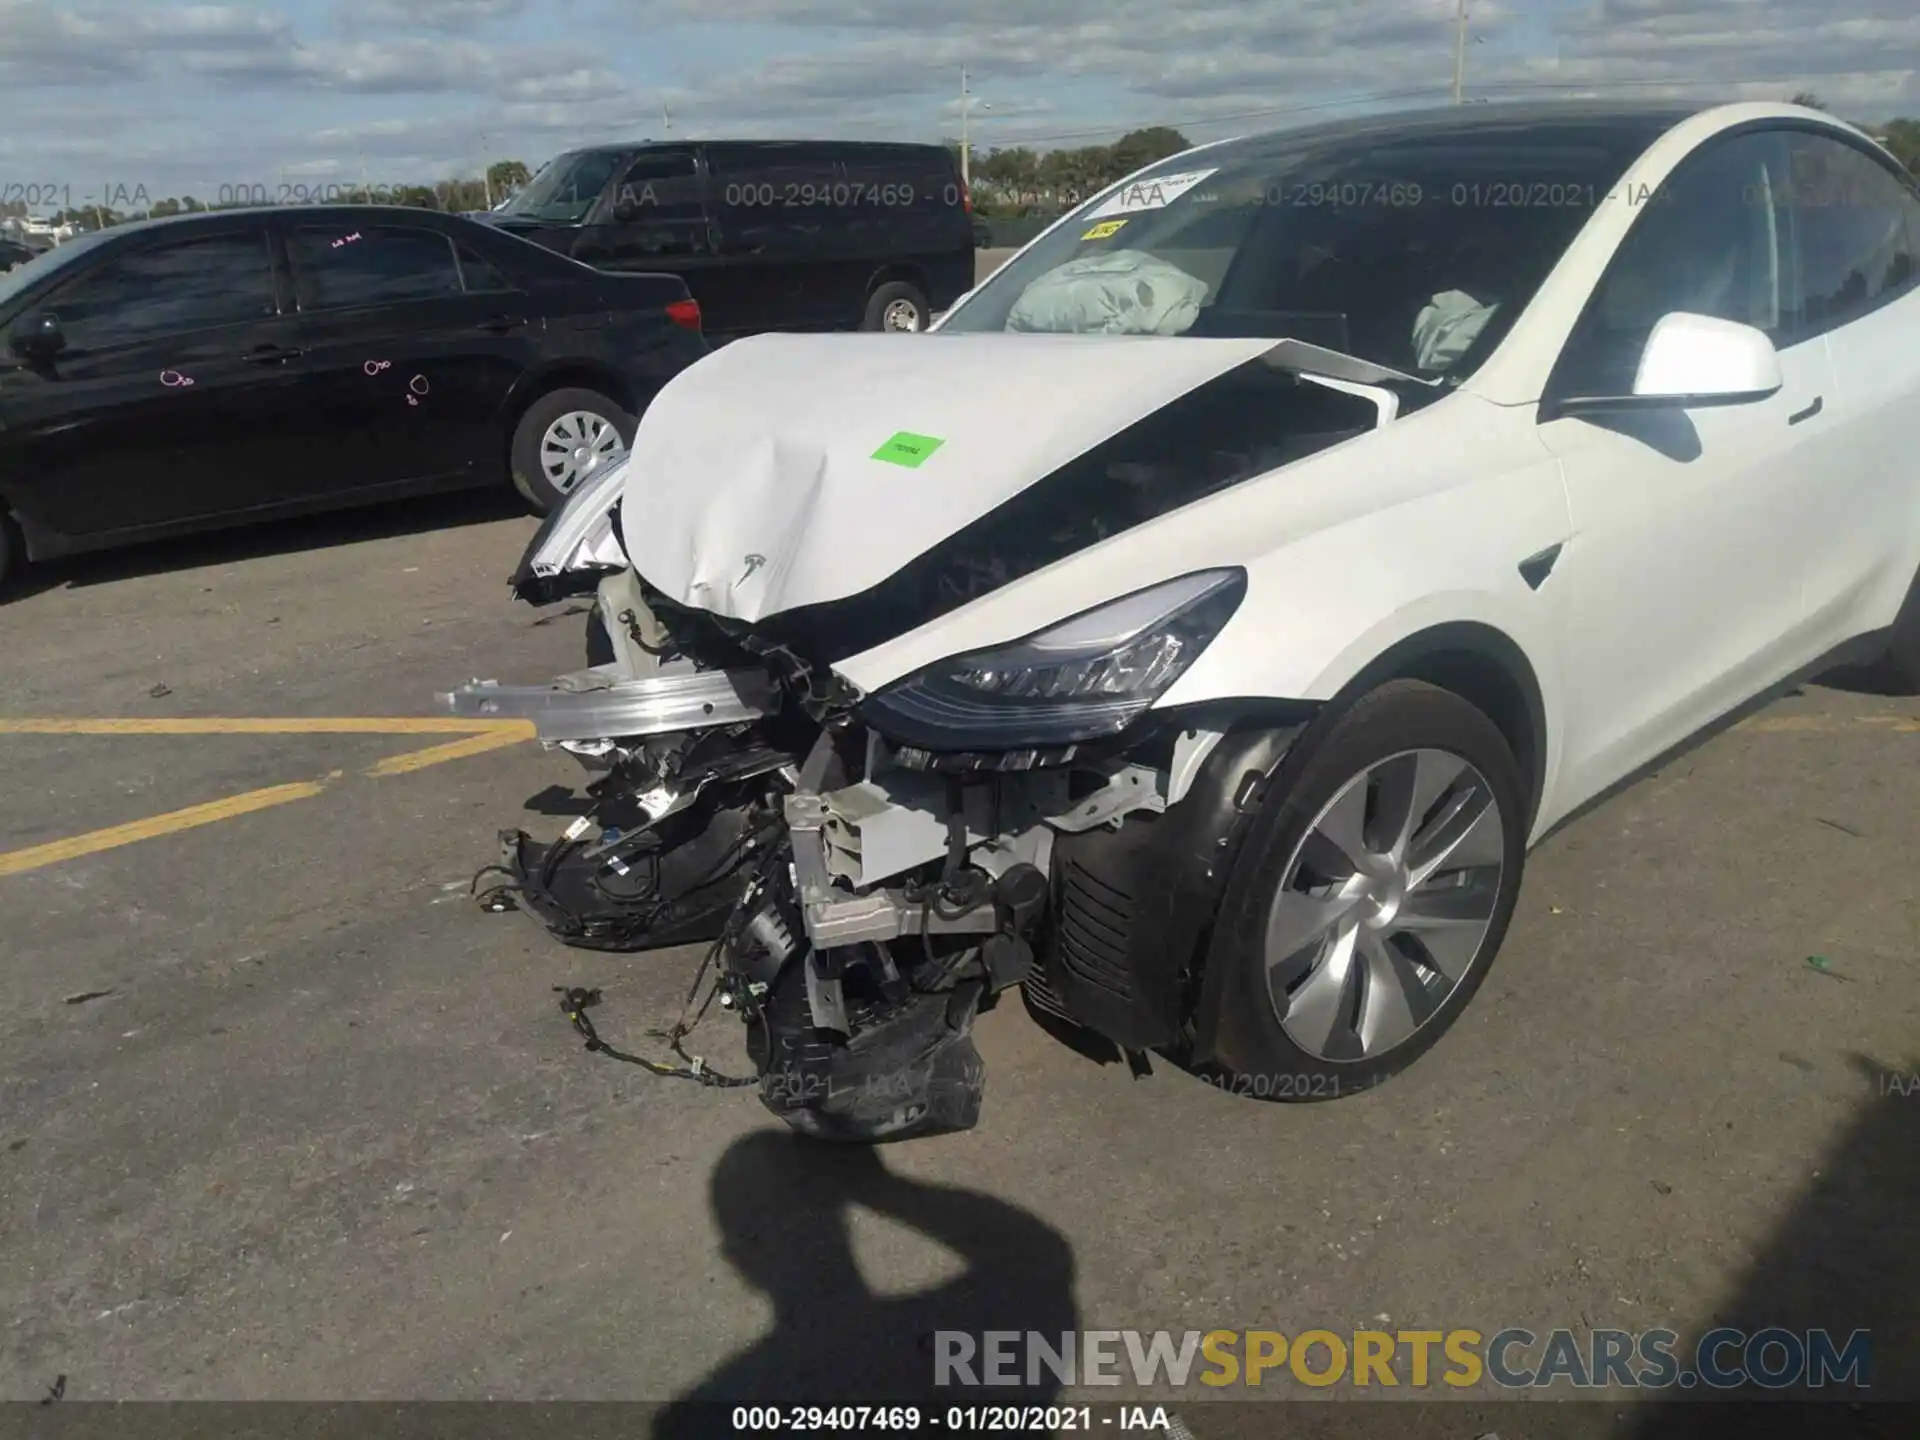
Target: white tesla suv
(1197, 627)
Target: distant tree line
(1011, 181)
(1021, 181)
(502, 179)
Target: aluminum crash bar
(598, 704)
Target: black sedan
(216, 369)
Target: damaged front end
(874, 869)
(865, 897)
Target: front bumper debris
(597, 704)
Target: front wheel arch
(1487, 669)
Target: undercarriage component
(909, 1069)
(660, 861)
(651, 898)
(596, 704)
(865, 911)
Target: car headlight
(1085, 678)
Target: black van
(768, 235)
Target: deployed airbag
(1121, 292)
(1446, 329)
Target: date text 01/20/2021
(1024, 1419)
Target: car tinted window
(1716, 240)
(566, 187)
(168, 288)
(1859, 229)
(659, 185)
(48, 263)
(371, 265)
(480, 273)
(1413, 251)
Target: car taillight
(966, 197)
(685, 312)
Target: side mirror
(1698, 360)
(1689, 361)
(37, 336)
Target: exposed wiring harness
(576, 1000)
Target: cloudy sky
(191, 97)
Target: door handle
(270, 354)
(1808, 413)
(500, 324)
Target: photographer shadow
(783, 1203)
(1843, 1258)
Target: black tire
(1341, 745)
(1902, 662)
(13, 552)
(599, 642)
(529, 478)
(893, 292)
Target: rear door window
(480, 274)
(1859, 229)
(169, 289)
(344, 267)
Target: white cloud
(449, 15)
(412, 84)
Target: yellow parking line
(13, 862)
(511, 732)
(1830, 724)
(290, 725)
(477, 737)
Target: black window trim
(295, 225)
(1555, 389)
(162, 240)
(462, 248)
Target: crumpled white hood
(753, 486)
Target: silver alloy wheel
(900, 315)
(1385, 904)
(576, 445)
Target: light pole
(1460, 54)
(966, 146)
(966, 140)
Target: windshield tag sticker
(1154, 194)
(1104, 230)
(908, 449)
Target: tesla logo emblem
(754, 562)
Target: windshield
(1411, 248)
(564, 190)
(29, 273)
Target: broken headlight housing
(1083, 679)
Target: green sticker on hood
(908, 449)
